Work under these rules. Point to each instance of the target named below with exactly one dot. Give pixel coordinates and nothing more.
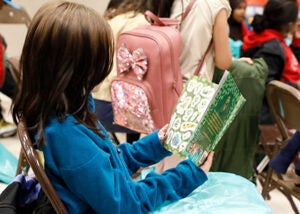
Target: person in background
(266, 40)
(206, 22)
(7, 87)
(111, 7)
(90, 173)
(122, 16)
(237, 26)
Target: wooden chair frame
(29, 158)
(284, 102)
(10, 15)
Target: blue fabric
(8, 165)
(235, 47)
(91, 175)
(224, 193)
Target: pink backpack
(149, 79)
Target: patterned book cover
(202, 114)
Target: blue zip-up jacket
(91, 175)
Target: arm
(220, 37)
(144, 152)
(107, 187)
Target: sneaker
(7, 129)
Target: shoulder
(68, 141)
(273, 44)
(275, 48)
(215, 6)
(272, 47)
(126, 21)
(203, 10)
(257, 70)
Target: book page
(189, 110)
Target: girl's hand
(207, 164)
(246, 59)
(162, 134)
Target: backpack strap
(188, 9)
(162, 21)
(158, 21)
(201, 61)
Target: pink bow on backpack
(137, 61)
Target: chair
(284, 102)
(10, 15)
(33, 160)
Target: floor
(15, 35)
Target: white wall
(15, 33)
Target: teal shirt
(91, 175)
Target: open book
(201, 116)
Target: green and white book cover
(201, 116)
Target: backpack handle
(158, 21)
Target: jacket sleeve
(91, 171)
(144, 152)
(94, 176)
(107, 190)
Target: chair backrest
(284, 102)
(34, 162)
(10, 15)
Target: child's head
(280, 15)
(68, 50)
(160, 8)
(238, 13)
(122, 7)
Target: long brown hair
(161, 8)
(137, 6)
(68, 50)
